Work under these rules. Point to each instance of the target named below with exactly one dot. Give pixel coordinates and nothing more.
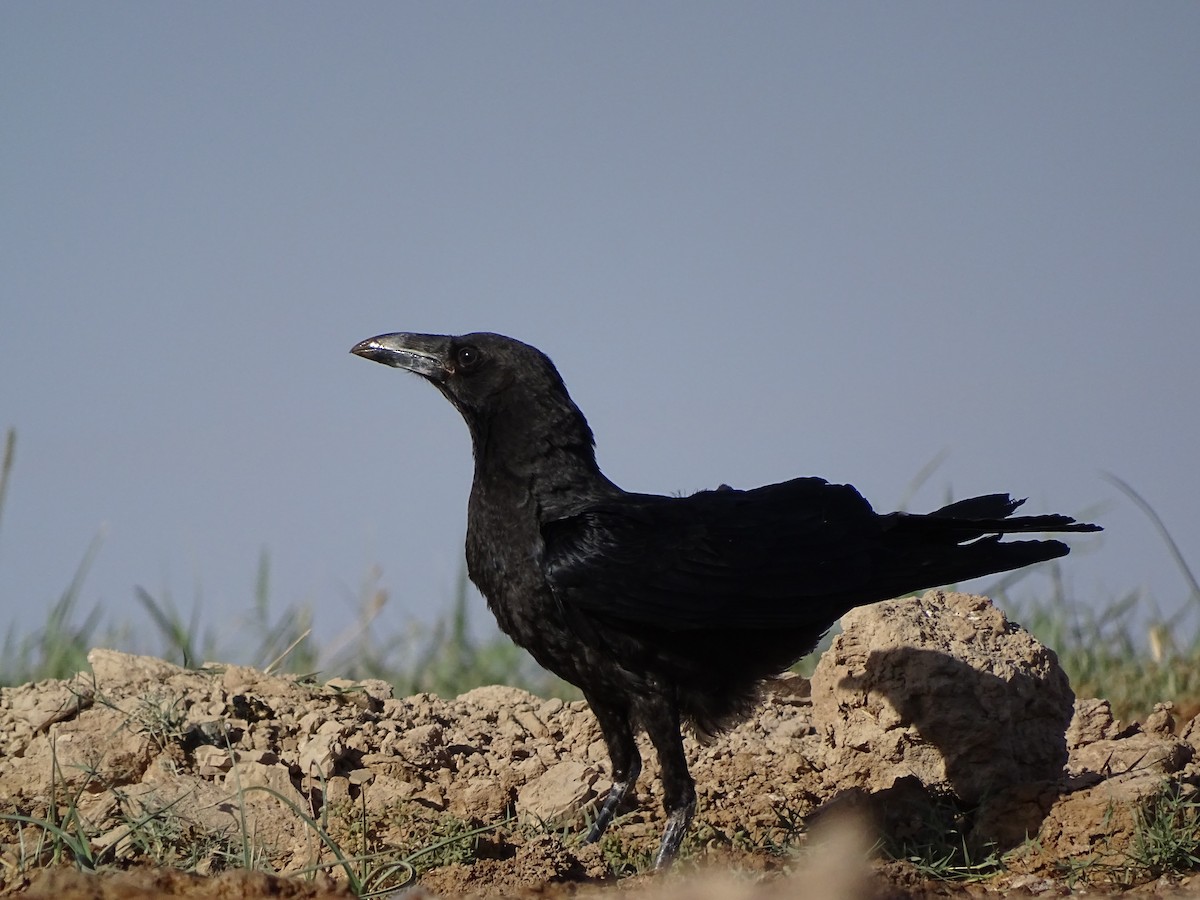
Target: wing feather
(776, 556)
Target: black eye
(466, 357)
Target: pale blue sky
(760, 240)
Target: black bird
(672, 611)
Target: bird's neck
(539, 452)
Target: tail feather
(989, 506)
(962, 541)
(990, 513)
(986, 556)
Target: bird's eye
(466, 357)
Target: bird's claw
(677, 826)
(608, 810)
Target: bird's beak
(424, 354)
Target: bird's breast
(504, 551)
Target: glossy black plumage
(668, 611)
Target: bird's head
(479, 373)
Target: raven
(672, 611)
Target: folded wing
(787, 555)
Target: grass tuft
(1166, 838)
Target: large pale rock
(943, 688)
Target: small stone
(557, 796)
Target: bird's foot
(608, 810)
(677, 827)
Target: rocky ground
(932, 724)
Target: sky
(759, 240)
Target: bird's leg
(616, 795)
(617, 729)
(661, 720)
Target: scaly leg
(617, 728)
(661, 719)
